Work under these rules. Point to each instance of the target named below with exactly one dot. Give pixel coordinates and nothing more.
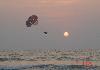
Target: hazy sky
(81, 18)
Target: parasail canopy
(32, 20)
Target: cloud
(37, 3)
(57, 2)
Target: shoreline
(19, 63)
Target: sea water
(49, 67)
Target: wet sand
(18, 63)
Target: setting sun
(66, 34)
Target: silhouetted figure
(45, 32)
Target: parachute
(44, 35)
(32, 20)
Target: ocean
(50, 67)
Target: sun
(66, 34)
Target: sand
(18, 63)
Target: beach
(18, 63)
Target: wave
(49, 67)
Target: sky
(81, 18)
